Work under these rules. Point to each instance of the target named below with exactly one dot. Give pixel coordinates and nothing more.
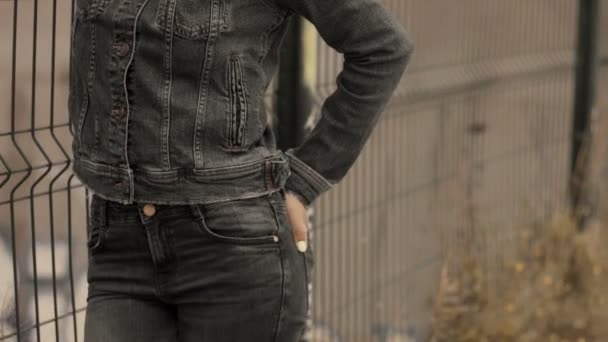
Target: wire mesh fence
(476, 139)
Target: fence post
(292, 105)
(587, 65)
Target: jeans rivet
(149, 210)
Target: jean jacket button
(121, 48)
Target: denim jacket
(166, 96)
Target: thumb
(298, 218)
(299, 234)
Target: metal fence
(476, 139)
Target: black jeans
(226, 271)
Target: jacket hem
(184, 186)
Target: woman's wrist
(302, 200)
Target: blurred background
(477, 211)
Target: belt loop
(268, 176)
(196, 210)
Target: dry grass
(555, 288)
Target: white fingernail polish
(301, 246)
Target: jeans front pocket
(96, 228)
(243, 221)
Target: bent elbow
(404, 46)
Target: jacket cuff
(304, 182)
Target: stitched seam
(265, 41)
(268, 240)
(126, 93)
(160, 12)
(241, 109)
(71, 75)
(230, 200)
(270, 200)
(97, 141)
(225, 19)
(194, 32)
(310, 179)
(305, 171)
(228, 83)
(204, 89)
(98, 8)
(98, 223)
(87, 90)
(280, 314)
(233, 104)
(238, 105)
(168, 58)
(242, 123)
(307, 284)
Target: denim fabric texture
(226, 271)
(166, 96)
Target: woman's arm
(376, 51)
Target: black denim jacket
(166, 96)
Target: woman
(195, 213)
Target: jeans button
(149, 210)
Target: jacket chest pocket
(90, 9)
(243, 126)
(193, 19)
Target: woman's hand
(298, 217)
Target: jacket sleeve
(376, 50)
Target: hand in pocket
(298, 218)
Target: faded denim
(166, 96)
(220, 272)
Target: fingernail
(302, 246)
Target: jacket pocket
(95, 238)
(73, 106)
(238, 106)
(193, 19)
(97, 225)
(81, 59)
(90, 9)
